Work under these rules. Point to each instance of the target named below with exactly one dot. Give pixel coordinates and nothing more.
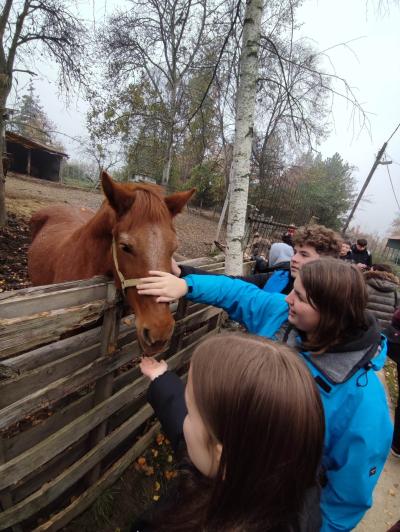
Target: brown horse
(135, 221)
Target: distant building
(30, 157)
(392, 249)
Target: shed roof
(30, 143)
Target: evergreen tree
(31, 120)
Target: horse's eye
(127, 248)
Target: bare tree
(159, 41)
(244, 124)
(26, 27)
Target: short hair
(347, 242)
(287, 239)
(325, 241)
(362, 242)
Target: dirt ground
(25, 195)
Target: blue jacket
(358, 426)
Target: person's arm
(244, 302)
(166, 394)
(356, 460)
(260, 312)
(259, 279)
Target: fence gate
(261, 232)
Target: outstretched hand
(151, 368)
(165, 286)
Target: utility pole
(371, 173)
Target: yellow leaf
(157, 486)
(156, 497)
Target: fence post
(177, 338)
(104, 386)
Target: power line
(391, 183)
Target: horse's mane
(149, 203)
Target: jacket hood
(280, 252)
(382, 281)
(366, 348)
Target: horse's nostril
(146, 336)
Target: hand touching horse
(135, 221)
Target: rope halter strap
(125, 283)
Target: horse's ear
(177, 201)
(119, 198)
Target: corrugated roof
(30, 143)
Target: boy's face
(344, 249)
(302, 255)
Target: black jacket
(363, 257)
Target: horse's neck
(96, 237)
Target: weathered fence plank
(20, 334)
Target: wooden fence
(73, 414)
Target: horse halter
(125, 283)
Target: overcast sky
(371, 65)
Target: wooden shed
(392, 249)
(28, 156)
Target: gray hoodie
(280, 252)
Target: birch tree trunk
(245, 105)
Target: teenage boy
(345, 252)
(360, 254)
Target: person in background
(360, 254)
(325, 319)
(345, 251)
(383, 292)
(247, 401)
(279, 253)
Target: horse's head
(144, 239)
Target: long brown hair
(258, 399)
(337, 290)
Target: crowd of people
(285, 428)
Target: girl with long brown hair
(324, 318)
(248, 400)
